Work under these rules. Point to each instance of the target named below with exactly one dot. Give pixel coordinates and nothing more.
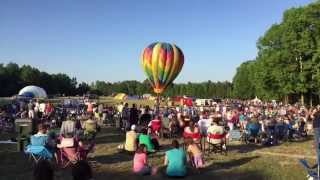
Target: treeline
(287, 66)
(202, 90)
(13, 78)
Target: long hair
(175, 144)
(140, 149)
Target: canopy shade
(33, 92)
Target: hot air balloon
(162, 62)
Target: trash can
(24, 130)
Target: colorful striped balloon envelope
(162, 62)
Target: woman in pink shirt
(140, 162)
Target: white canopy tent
(33, 92)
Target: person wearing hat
(131, 140)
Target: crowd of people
(64, 141)
(256, 122)
(193, 130)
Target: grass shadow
(217, 166)
(245, 148)
(113, 158)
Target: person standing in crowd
(42, 108)
(49, 109)
(125, 117)
(145, 117)
(134, 115)
(37, 109)
(90, 108)
(100, 112)
(204, 123)
(120, 107)
(31, 110)
(230, 120)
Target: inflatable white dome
(33, 92)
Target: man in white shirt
(42, 107)
(204, 123)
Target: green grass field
(242, 162)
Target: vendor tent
(33, 92)
(256, 100)
(121, 96)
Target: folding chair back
(217, 143)
(68, 156)
(38, 152)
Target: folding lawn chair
(217, 143)
(68, 156)
(38, 153)
(37, 149)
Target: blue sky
(103, 39)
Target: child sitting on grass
(195, 154)
(140, 162)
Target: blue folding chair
(37, 149)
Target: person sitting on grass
(195, 154)
(131, 140)
(145, 139)
(175, 160)
(140, 162)
(154, 139)
(81, 171)
(43, 170)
